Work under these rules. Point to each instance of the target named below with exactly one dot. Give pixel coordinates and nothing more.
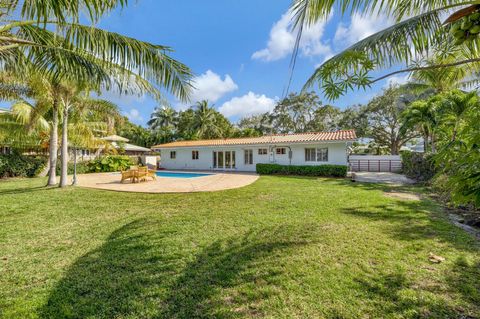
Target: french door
(224, 160)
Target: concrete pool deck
(215, 182)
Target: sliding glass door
(224, 160)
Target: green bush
(418, 166)
(304, 170)
(16, 165)
(110, 163)
(82, 168)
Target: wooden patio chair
(142, 174)
(130, 174)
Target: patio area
(214, 182)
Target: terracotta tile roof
(346, 135)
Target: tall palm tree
(417, 30)
(205, 121)
(50, 40)
(164, 116)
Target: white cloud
(134, 115)
(360, 27)
(282, 40)
(210, 86)
(247, 104)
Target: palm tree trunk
(64, 156)
(53, 147)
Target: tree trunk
(64, 155)
(394, 148)
(53, 148)
(74, 180)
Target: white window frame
(248, 157)
(320, 154)
(173, 154)
(281, 150)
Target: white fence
(375, 163)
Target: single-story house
(242, 154)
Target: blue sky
(238, 50)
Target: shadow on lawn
(415, 220)
(137, 274)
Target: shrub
(16, 165)
(110, 163)
(303, 170)
(418, 166)
(82, 167)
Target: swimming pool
(181, 174)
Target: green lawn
(282, 247)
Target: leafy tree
(186, 122)
(259, 124)
(137, 134)
(295, 113)
(384, 120)
(326, 118)
(356, 118)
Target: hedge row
(418, 166)
(304, 170)
(16, 165)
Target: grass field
(282, 247)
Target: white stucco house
(242, 154)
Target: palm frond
(400, 43)
(314, 10)
(43, 10)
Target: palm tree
(162, 117)
(422, 115)
(205, 121)
(418, 30)
(50, 37)
(455, 106)
(429, 82)
(50, 40)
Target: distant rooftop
(346, 135)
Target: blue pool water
(181, 174)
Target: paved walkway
(381, 177)
(214, 182)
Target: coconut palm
(205, 121)
(418, 30)
(50, 40)
(164, 116)
(50, 37)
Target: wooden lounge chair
(130, 174)
(142, 174)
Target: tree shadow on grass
(25, 190)
(137, 273)
(415, 221)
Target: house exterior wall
(337, 154)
